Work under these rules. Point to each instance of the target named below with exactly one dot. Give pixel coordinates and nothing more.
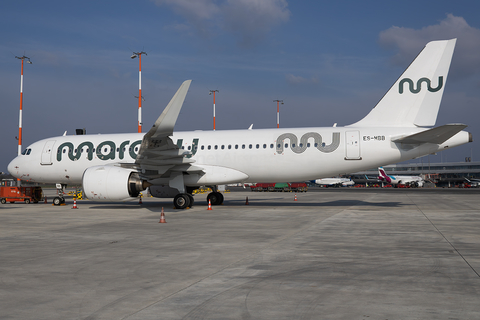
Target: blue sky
(330, 61)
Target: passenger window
(308, 145)
(229, 146)
(223, 146)
(293, 145)
(236, 146)
(203, 147)
(209, 147)
(279, 146)
(189, 147)
(136, 149)
(216, 147)
(271, 146)
(249, 146)
(316, 145)
(286, 145)
(243, 146)
(258, 146)
(264, 146)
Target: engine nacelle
(112, 183)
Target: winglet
(166, 122)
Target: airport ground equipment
(279, 187)
(10, 192)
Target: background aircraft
(411, 181)
(335, 182)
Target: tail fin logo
(419, 85)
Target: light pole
(213, 106)
(278, 111)
(139, 55)
(21, 105)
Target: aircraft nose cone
(13, 167)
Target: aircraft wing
(158, 153)
(436, 135)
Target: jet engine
(112, 183)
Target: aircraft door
(352, 151)
(47, 153)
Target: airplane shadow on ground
(299, 203)
(167, 205)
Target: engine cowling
(112, 183)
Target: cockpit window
(26, 152)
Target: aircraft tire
(216, 198)
(58, 201)
(192, 200)
(181, 201)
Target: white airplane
(120, 166)
(474, 183)
(412, 181)
(335, 182)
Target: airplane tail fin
(382, 175)
(414, 99)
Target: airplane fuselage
(262, 155)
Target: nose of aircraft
(13, 167)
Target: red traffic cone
(209, 205)
(246, 201)
(74, 203)
(46, 199)
(295, 197)
(162, 217)
(140, 201)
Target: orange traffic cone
(162, 217)
(140, 201)
(295, 197)
(246, 201)
(74, 203)
(209, 205)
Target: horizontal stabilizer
(436, 135)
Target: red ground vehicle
(280, 187)
(9, 192)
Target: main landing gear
(185, 200)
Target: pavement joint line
(444, 237)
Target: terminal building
(444, 174)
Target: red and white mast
(21, 105)
(213, 91)
(278, 111)
(140, 98)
